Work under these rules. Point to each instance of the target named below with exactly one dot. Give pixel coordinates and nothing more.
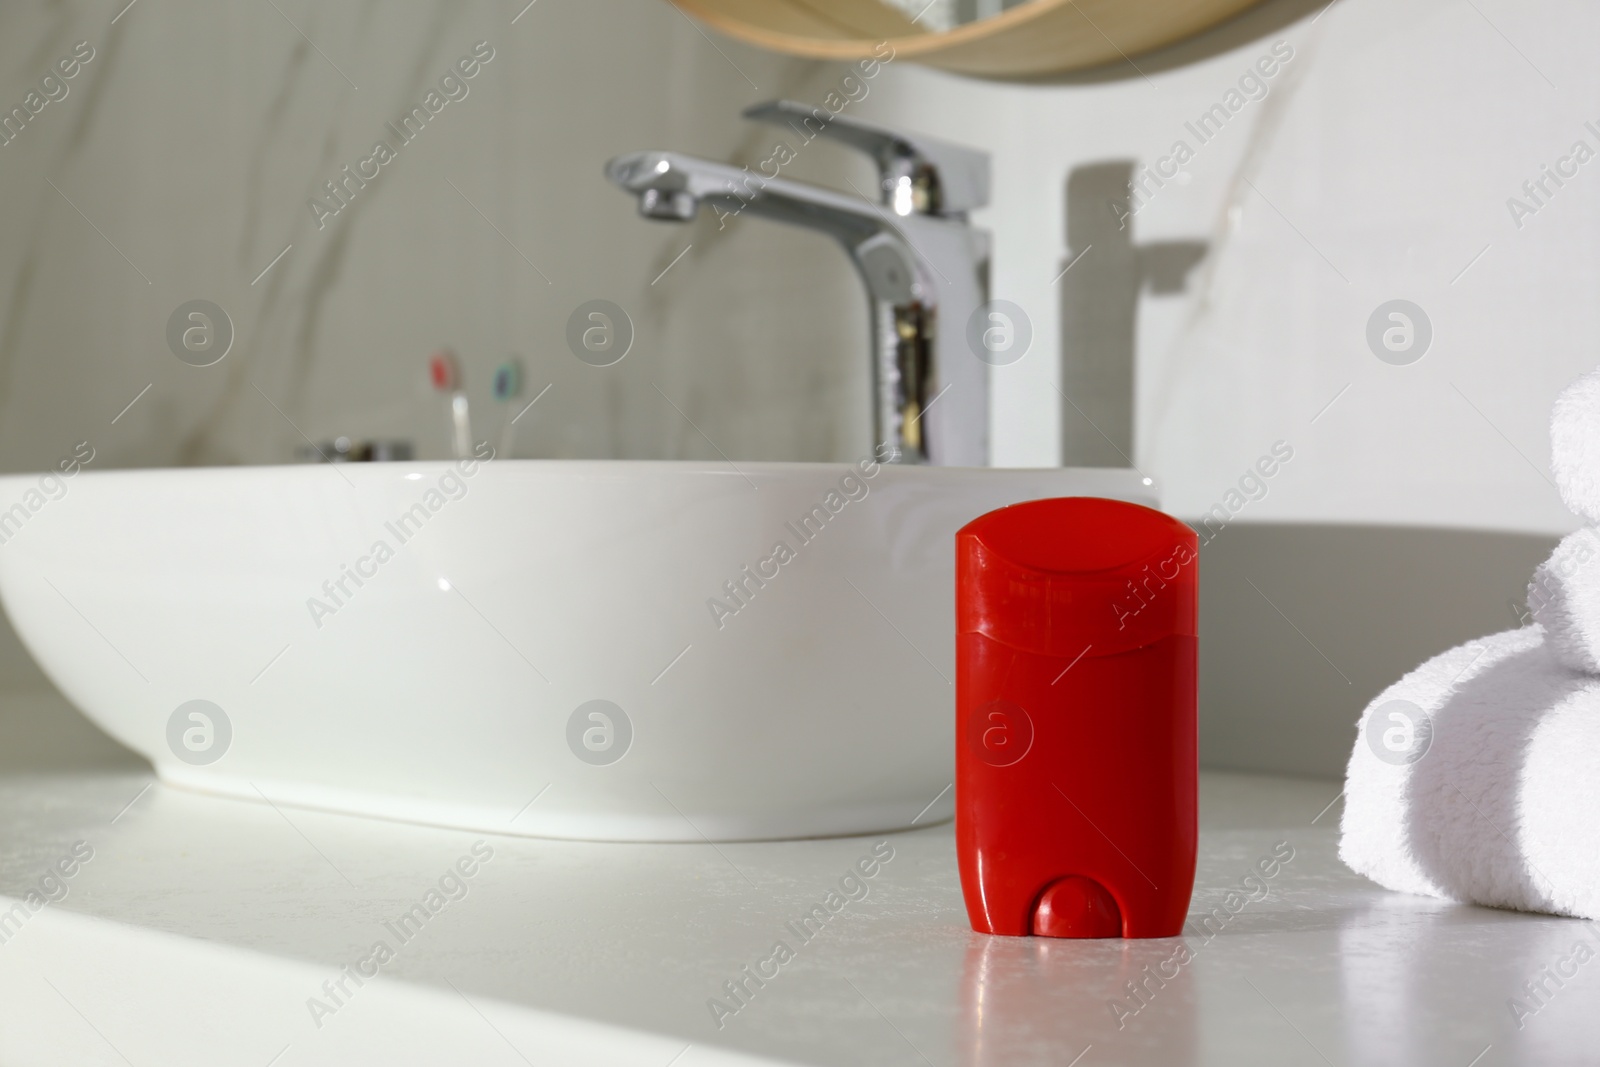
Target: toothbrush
(444, 370)
(507, 387)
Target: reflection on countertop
(251, 915)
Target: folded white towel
(1575, 446)
(1564, 598)
(1473, 779)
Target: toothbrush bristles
(507, 387)
(508, 379)
(444, 371)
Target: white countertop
(201, 928)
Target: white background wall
(1378, 167)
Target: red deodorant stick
(1076, 748)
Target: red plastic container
(1076, 748)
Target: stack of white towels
(1476, 777)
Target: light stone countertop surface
(215, 931)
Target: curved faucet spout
(687, 180)
(921, 271)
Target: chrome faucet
(926, 270)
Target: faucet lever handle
(917, 175)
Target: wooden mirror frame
(1030, 40)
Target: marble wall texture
(1223, 308)
(1377, 162)
(181, 163)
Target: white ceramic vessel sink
(428, 641)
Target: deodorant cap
(1077, 575)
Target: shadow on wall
(1302, 625)
(1099, 308)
